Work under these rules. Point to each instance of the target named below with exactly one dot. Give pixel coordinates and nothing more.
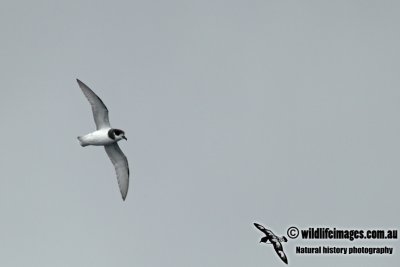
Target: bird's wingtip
(284, 258)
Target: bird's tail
(81, 142)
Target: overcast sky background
(279, 112)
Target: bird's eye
(118, 132)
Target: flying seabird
(274, 240)
(107, 137)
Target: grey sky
(280, 112)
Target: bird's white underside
(97, 138)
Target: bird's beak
(125, 138)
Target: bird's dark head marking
(116, 134)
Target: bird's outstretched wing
(100, 111)
(120, 163)
(261, 228)
(279, 251)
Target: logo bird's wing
(261, 228)
(279, 250)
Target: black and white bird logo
(107, 137)
(274, 240)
